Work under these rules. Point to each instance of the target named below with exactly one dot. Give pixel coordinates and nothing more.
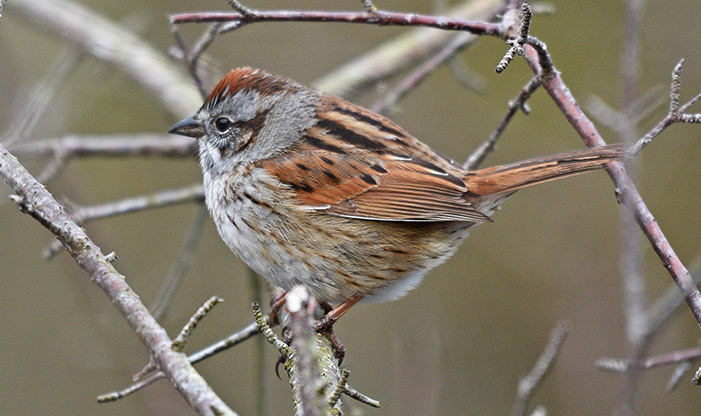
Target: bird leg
(333, 315)
(276, 304)
(325, 324)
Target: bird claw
(323, 326)
(339, 351)
(287, 339)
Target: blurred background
(456, 345)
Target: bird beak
(188, 127)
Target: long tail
(514, 176)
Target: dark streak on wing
(326, 160)
(437, 171)
(322, 144)
(429, 165)
(331, 176)
(369, 120)
(378, 168)
(368, 179)
(343, 133)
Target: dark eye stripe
(255, 125)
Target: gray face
(249, 126)
(224, 127)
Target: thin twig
(191, 57)
(161, 302)
(192, 193)
(410, 82)
(202, 43)
(233, 340)
(676, 87)
(190, 63)
(184, 335)
(368, 6)
(333, 400)
(670, 358)
(26, 120)
(676, 113)
(85, 214)
(264, 328)
(529, 384)
(478, 155)
(678, 375)
(179, 342)
(236, 5)
(362, 398)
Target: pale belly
(334, 257)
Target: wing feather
(372, 171)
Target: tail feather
(517, 175)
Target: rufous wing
(385, 188)
(358, 164)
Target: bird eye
(223, 124)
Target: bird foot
(323, 325)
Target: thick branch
(109, 42)
(307, 385)
(109, 145)
(377, 18)
(562, 96)
(35, 200)
(400, 53)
